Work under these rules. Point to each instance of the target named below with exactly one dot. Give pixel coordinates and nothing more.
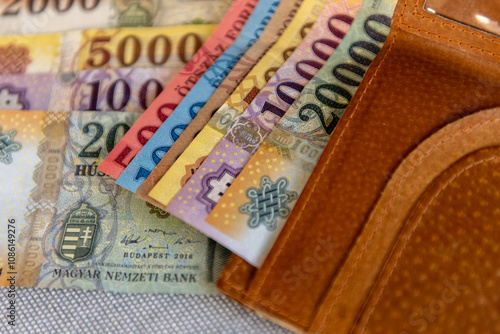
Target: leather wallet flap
(427, 256)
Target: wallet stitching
(233, 290)
(400, 252)
(259, 286)
(455, 41)
(459, 132)
(460, 27)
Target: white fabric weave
(75, 311)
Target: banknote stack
(141, 143)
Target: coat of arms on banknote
(79, 234)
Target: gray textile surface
(75, 311)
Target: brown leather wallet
(397, 228)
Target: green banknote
(66, 225)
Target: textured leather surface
(427, 259)
(430, 73)
(443, 273)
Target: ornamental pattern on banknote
(246, 134)
(135, 16)
(215, 184)
(157, 211)
(7, 146)
(14, 59)
(268, 203)
(191, 169)
(12, 98)
(239, 96)
(77, 240)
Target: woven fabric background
(76, 311)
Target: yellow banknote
(170, 47)
(134, 47)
